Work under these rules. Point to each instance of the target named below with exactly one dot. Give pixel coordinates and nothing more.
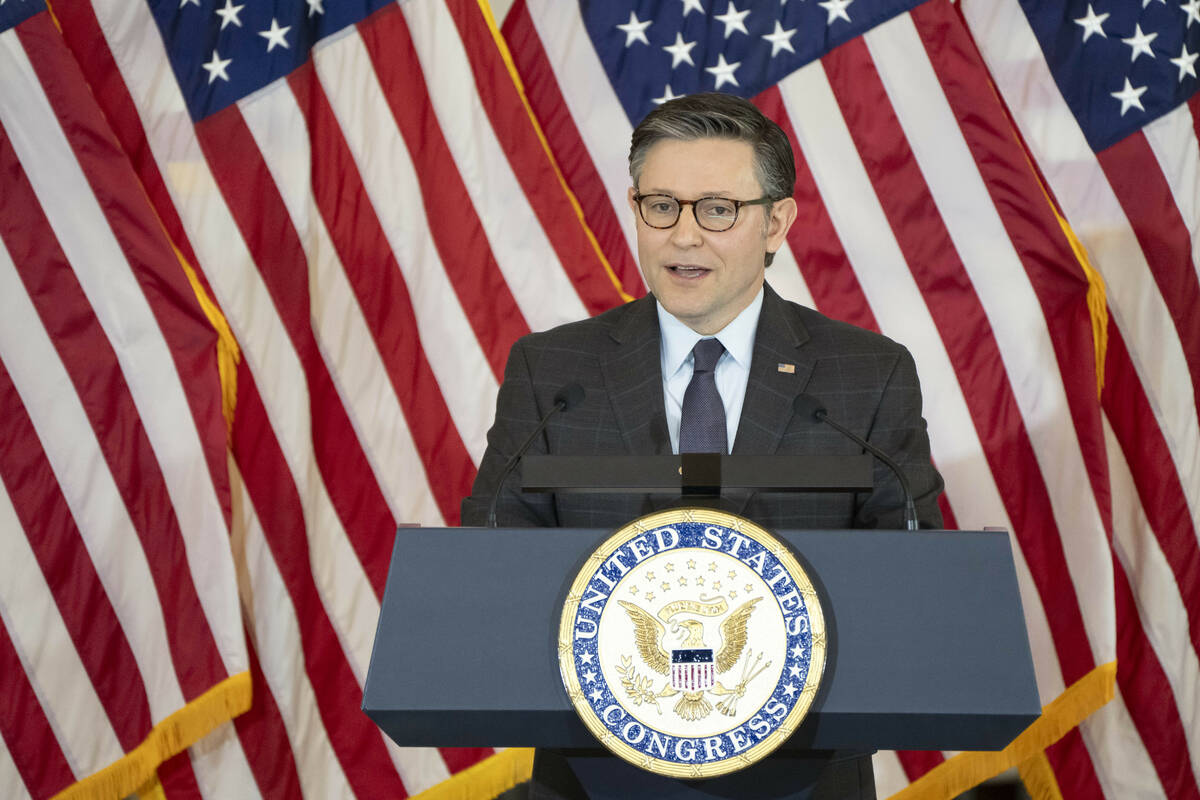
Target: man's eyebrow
(713, 193)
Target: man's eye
(662, 207)
(718, 210)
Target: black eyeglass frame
(737, 209)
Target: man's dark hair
(716, 115)
(721, 116)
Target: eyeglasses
(712, 213)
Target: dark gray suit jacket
(866, 381)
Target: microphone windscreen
(569, 396)
(807, 406)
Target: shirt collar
(737, 337)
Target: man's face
(701, 277)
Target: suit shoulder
(841, 337)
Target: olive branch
(637, 687)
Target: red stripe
(1158, 487)
(355, 740)
(1072, 766)
(92, 365)
(85, 39)
(67, 567)
(550, 107)
(387, 308)
(459, 758)
(964, 329)
(814, 241)
(530, 164)
(274, 246)
(26, 731)
(949, 522)
(178, 779)
(264, 739)
(917, 762)
(139, 234)
(1140, 186)
(1149, 698)
(454, 224)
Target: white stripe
(387, 172)
(345, 592)
(1172, 139)
(785, 277)
(530, 266)
(1012, 53)
(349, 350)
(131, 328)
(900, 309)
(1014, 313)
(598, 115)
(88, 487)
(53, 666)
(1118, 755)
(500, 8)
(275, 630)
(220, 765)
(419, 767)
(1161, 609)
(890, 776)
(11, 784)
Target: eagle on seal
(649, 633)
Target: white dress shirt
(733, 369)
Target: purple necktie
(702, 423)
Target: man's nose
(687, 232)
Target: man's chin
(694, 315)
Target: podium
(927, 643)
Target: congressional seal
(691, 643)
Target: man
(712, 197)
(711, 360)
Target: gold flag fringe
(135, 771)
(228, 353)
(487, 779)
(1039, 778)
(1097, 298)
(1027, 752)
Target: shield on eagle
(693, 670)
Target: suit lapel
(779, 370)
(633, 376)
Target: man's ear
(783, 214)
(632, 202)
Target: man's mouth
(688, 270)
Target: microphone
(567, 398)
(805, 405)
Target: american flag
(363, 200)
(121, 634)
(1104, 93)
(921, 215)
